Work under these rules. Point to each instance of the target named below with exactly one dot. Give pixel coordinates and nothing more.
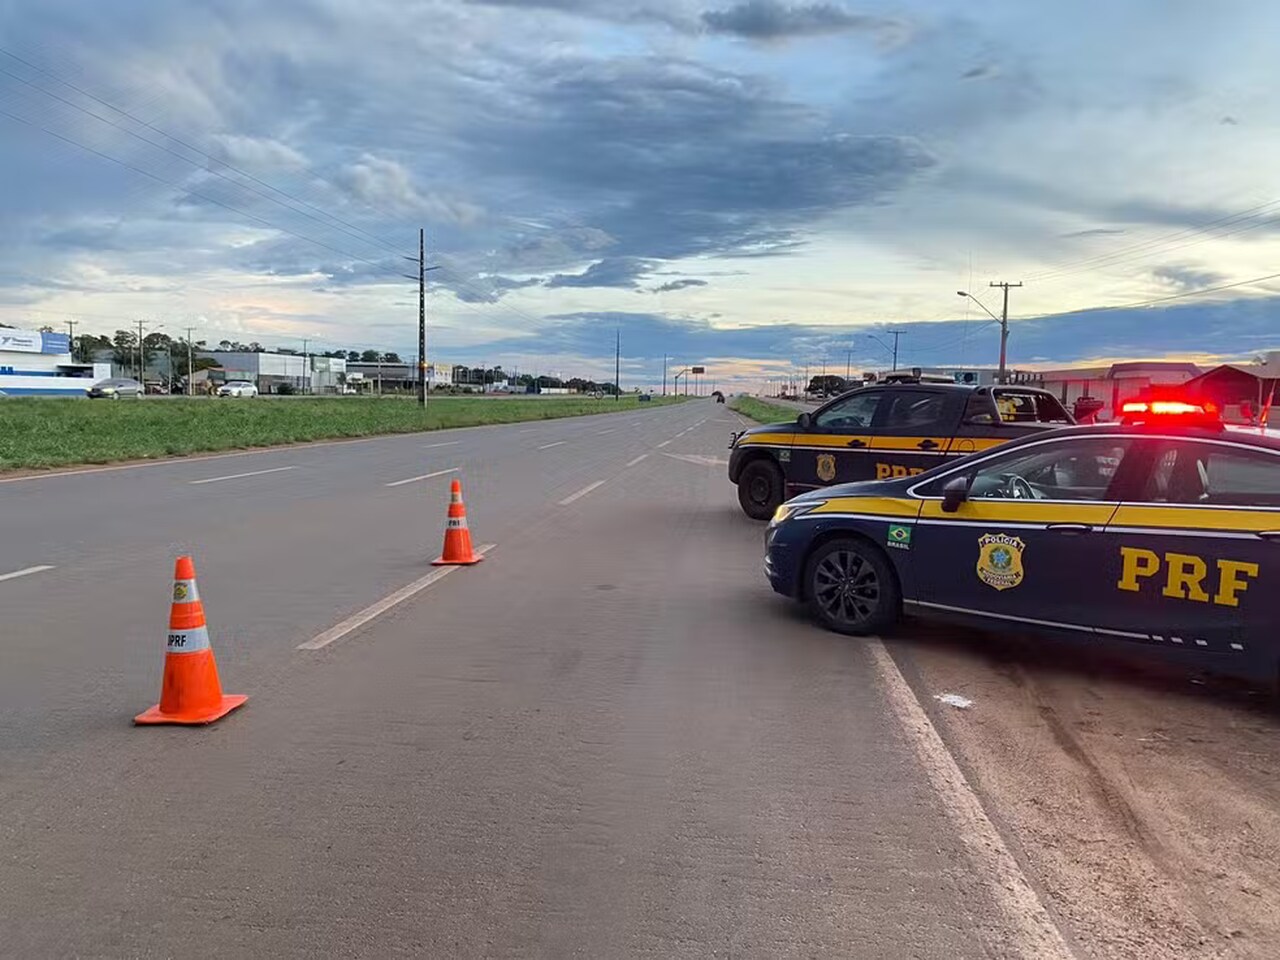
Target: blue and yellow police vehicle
(1163, 529)
(899, 428)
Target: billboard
(32, 341)
(698, 370)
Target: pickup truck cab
(882, 432)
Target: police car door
(913, 429)
(836, 447)
(1195, 557)
(1028, 544)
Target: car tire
(760, 489)
(851, 588)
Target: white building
(270, 371)
(39, 364)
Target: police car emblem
(826, 467)
(1000, 560)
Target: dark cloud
(772, 20)
(1094, 232)
(621, 272)
(486, 289)
(1188, 278)
(671, 285)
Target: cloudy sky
(750, 184)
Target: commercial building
(1110, 385)
(395, 377)
(269, 372)
(1243, 392)
(39, 364)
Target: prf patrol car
(898, 429)
(1161, 530)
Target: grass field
(763, 412)
(51, 432)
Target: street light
(965, 293)
(1003, 320)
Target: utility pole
(617, 365)
(71, 332)
(664, 374)
(306, 372)
(191, 353)
(142, 359)
(896, 335)
(1002, 376)
(848, 362)
(422, 315)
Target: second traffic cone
(457, 535)
(191, 692)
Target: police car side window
(1213, 474)
(852, 413)
(913, 411)
(1069, 470)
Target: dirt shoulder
(1143, 800)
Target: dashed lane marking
(548, 446)
(451, 443)
(581, 493)
(425, 476)
(354, 623)
(25, 573)
(663, 443)
(240, 476)
(1031, 927)
(632, 463)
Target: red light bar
(1164, 408)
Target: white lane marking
(581, 493)
(663, 443)
(425, 476)
(239, 476)
(632, 463)
(548, 446)
(1030, 924)
(601, 433)
(697, 458)
(451, 443)
(25, 573)
(353, 623)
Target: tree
(125, 347)
(353, 356)
(87, 345)
(370, 356)
(46, 329)
(391, 357)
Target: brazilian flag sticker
(899, 536)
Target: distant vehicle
(718, 395)
(237, 388)
(1162, 530)
(645, 398)
(114, 388)
(896, 429)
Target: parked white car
(237, 388)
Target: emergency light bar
(1146, 411)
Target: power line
(1155, 244)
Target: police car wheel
(760, 489)
(851, 588)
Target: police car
(900, 428)
(1161, 530)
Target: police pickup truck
(896, 429)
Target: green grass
(763, 412)
(51, 432)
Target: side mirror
(804, 421)
(954, 492)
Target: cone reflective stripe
(191, 692)
(457, 535)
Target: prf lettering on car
(1185, 575)
(886, 471)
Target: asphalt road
(607, 740)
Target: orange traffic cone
(457, 535)
(191, 692)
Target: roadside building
(39, 364)
(380, 378)
(270, 372)
(1109, 385)
(1244, 393)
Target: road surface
(609, 739)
